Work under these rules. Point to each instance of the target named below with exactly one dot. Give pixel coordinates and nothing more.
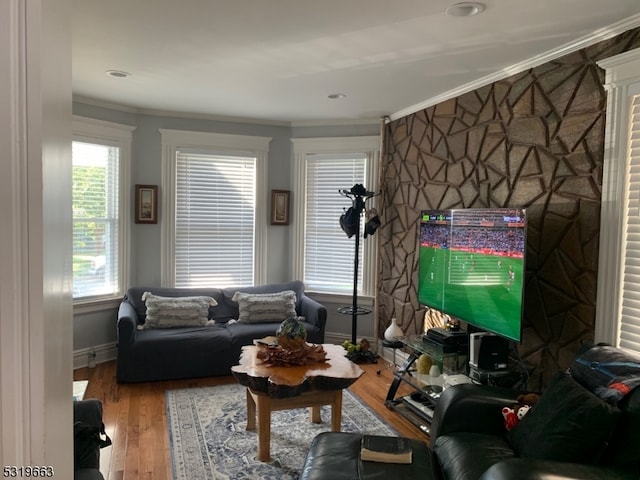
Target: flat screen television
(471, 266)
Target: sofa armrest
(471, 408)
(127, 323)
(315, 313)
(534, 469)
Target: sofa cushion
(167, 312)
(567, 424)
(466, 455)
(265, 307)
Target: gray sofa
(153, 354)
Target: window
(324, 255)
(215, 216)
(618, 297)
(100, 162)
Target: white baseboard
(104, 353)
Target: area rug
(208, 437)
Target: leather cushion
(466, 456)
(336, 456)
(533, 469)
(568, 424)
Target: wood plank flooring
(134, 417)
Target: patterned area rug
(208, 439)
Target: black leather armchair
(570, 434)
(89, 438)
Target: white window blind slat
(215, 219)
(629, 331)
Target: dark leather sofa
(146, 355)
(571, 433)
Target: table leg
(264, 427)
(251, 412)
(336, 411)
(315, 414)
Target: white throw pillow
(167, 312)
(265, 307)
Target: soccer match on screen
(472, 266)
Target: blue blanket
(608, 372)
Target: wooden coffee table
(273, 388)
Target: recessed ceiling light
(337, 96)
(118, 74)
(465, 9)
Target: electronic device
(448, 340)
(448, 337)
(452, 380)
(472, 264)
(488, 351)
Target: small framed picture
(146, 204)
(280, 207)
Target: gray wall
(97, 329)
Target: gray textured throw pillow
(265, 307)
(168, 312)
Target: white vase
(393, 331)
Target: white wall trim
(104, 353)
(252, 145)
(116, 135)
(622, 81)
(14, 314)
(36, 417)
(585, 41)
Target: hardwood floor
(134, 417)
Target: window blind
(215, 217)
(329, 253)
(629, 332)
(95, 219)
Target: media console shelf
(418, 406)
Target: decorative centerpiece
(291, 334)
(289, 346)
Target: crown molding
(119, 107)
(582, 42)
(175, 114)
(335, 122)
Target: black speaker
(489, 352)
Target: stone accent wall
(534, 140)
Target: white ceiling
(278, 60)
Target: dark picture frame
(280, 207)
(146, 204)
